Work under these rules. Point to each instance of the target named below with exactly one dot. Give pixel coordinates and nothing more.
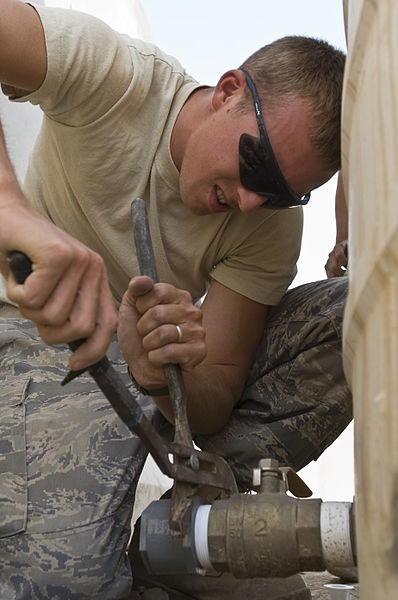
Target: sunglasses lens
(254, 165)
(260, 173)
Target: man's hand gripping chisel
(191, 469)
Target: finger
(341, 260)
(95, 346)
(138, 286)
(173, 334)
(334, 271)
(162, 293)
(188, 355)
(93, 315)
(184, 315)
(60, 271)
(82, 281)
(71, 310)
(328, 270)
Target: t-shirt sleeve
(261, 263)
(88, 67)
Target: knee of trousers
(82, 563)
(68, 470)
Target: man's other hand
(337, 262)
(67, 294)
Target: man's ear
(230, 86)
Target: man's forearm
(8, 180)
(215, 352)
(210, 398)
(67, 295)
(341, 213)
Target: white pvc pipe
(200, 535)
(339, 591)
(335, 535)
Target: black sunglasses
(258, 167)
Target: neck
(196, 108)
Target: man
(124, 120)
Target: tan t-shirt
(110, 103)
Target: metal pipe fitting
(265, 535)
(268, 534)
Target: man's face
(210, 176)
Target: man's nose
(249, 201)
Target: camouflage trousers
(296, 401)
(69, 467)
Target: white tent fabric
(126, 16)
(22, 122)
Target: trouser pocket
(13, 472)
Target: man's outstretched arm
(67, 295)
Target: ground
(316, 582)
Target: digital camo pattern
(69, 466)
(296, 400)
(68, 471)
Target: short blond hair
(310, 69)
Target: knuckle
(194, 314)
(96, 259)
(141, 329)
(203, 350)
(189, 362)
(111, 323)
(83, 328)
(31, 301)
(186, 296)
(161, 291)
(169, 354)
(200, 355)
(52, 318)
(147, 346)
(164, 335)
(197, 313)
(62, 256)
(157, 314)
(84, 258)
(198, 332)
(140, 305)
(45, 334)
(95, 264)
